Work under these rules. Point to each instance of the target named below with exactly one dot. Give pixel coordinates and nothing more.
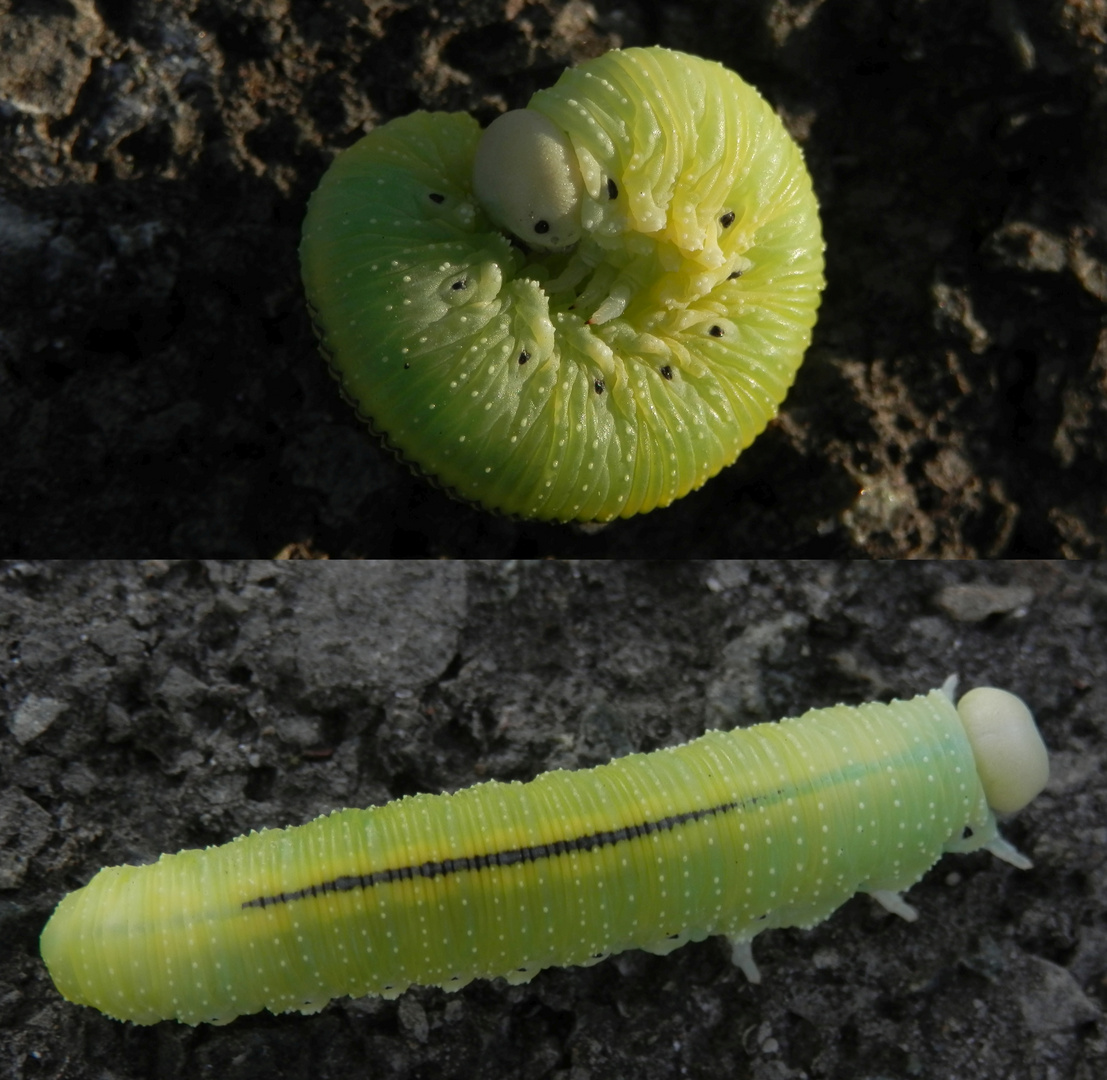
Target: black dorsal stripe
(508, 857)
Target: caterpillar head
(527, 179)
(1010, 756)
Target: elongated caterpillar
(732, 833)
(584, 312)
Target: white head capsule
(527, 179)
(1011, 758)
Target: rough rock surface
(200, 700)
(160, 393)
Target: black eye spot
(727, 219)
(716, 331)
(666, 371)
(459, 285)
(406, 365)
(541, 227)
(599, 385)
(524, 356)
(612, 189)
(734, 274)
(435, 197)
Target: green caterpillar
(584, 312)
(732, 833)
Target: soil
(160, 392)
(160, 705)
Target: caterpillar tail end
(71, 952)
(55, 943)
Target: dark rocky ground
(153, 706)
(160, 393)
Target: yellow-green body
(584, 385)
(735, 832)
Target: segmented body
(582, 385)
(735, 832)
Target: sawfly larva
(732, 833)
(584, 312)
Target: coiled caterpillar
(732, 833)
(585, 312)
